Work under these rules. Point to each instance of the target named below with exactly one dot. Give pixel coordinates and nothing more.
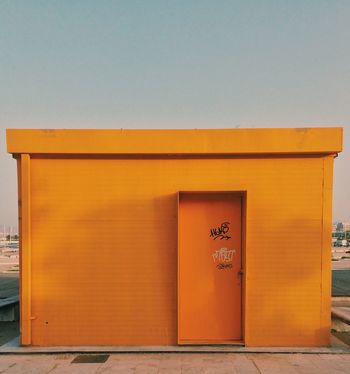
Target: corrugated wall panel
(104, 247)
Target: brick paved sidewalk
(217, 363)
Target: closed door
(209, 274)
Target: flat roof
(322, 140)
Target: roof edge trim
(324, 140)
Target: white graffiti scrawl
(223, 255)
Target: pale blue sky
(174, 64)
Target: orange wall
(103, 248)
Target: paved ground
(343, 263)
(181, 363)
(8, 275)
(8, 331)
(341, 282)
(344, 336)
(8, 261)
(341, 273)
(8, 285)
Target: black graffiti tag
(220, 231)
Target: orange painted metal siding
(99, 233)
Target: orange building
(166, 237)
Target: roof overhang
(273, 141)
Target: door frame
(243, 195)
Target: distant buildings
(341, 226)
(341, 234)
(8, 232)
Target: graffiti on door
(221, 231)
(223, 257)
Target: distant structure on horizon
(341, 226)
(8, 230)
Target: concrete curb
(12, 347)
(341, 314)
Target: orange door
(209, 268)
